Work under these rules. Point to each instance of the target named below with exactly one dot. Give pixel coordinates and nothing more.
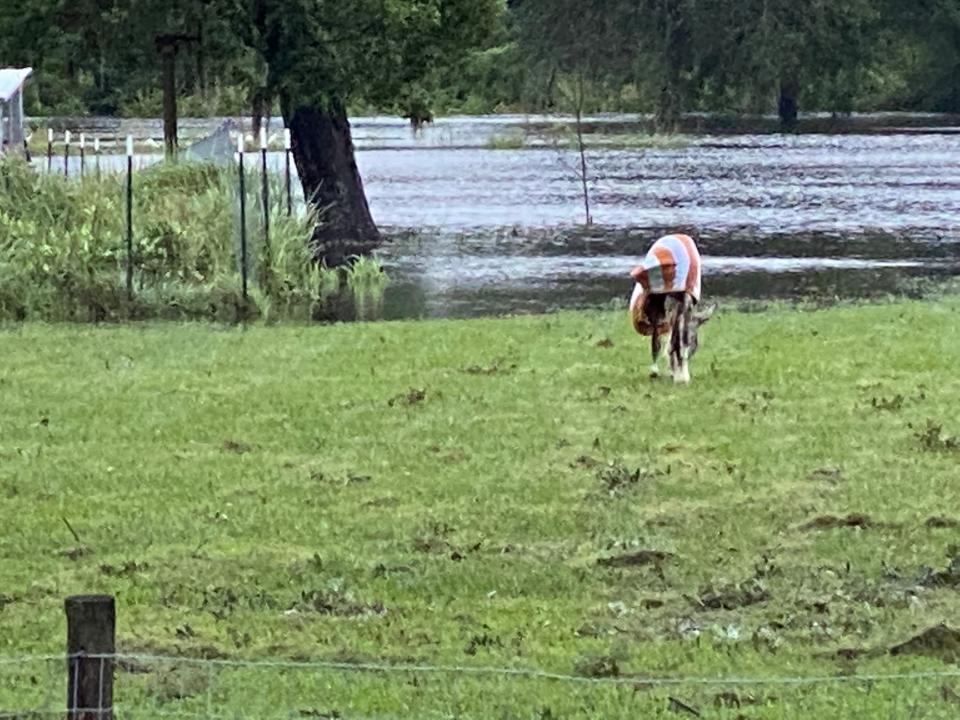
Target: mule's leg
(685, 321)
(655, 346)
(654, 310)
(676, 344)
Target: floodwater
(482, 231)
(476, 230)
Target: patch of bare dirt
(950, 577)
(831, 522)
(126, 569)
(235, 446)
(414, 396)
(826, 474)
(940, 642)
(731, 597)
(636, 559)
(586, 461)
(75, 553)
(496, 368)
(597, 666)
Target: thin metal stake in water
(243, 219)
(66, 154)
(129, 217)
(49, 149)
(286, 152)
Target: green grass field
(505, 492)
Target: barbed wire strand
(526, 673)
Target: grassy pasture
(506, 492)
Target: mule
(665, 298)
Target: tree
(921, 44)
(609, 43)
(753, 51)
(322, 54)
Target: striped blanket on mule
(672, 265)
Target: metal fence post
(49, 149)
(265, 181)
(83, 142)
(129, 217)
(66, 153)
(286, 153)
(96, 153)
(91, 644)
(243, 218)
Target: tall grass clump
(63, 248)
(506, 142)
(367, 281)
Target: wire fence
(81, 157)
(146, 686)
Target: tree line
(315, 62)
(661, 56)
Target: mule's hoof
(654, 372)
(682, 377)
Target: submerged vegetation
(63, 252)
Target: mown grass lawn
(507, 492)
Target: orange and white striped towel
(672, 265)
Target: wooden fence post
(91, 642)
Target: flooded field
(475, 229)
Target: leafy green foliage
(63, 252)
(328, 52)
(409, 56)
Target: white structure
(11, 107)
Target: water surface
(478, 230)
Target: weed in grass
(932, 438)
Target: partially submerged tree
(321, 55)
(313, 56)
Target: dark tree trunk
(257, 111)
(787, 107)
(668, 109)
(323, 152)
(168, 54)
(200, 81)
(676, 40)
